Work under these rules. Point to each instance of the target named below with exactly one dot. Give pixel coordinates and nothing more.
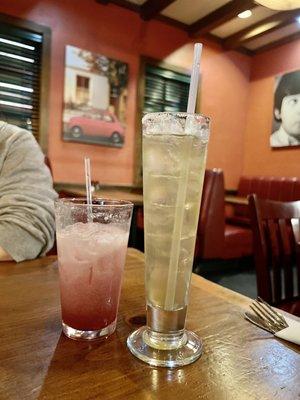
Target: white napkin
(292, 333)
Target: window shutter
(20, 64)
(165, 90)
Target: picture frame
(95, 95)
(286, 111)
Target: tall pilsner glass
(174, 155)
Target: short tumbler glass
(92, 243)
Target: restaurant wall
(259, 158)
(224, 89)
(121, 34)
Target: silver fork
(270, 318)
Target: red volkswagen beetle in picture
(99, 123)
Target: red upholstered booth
(226, 238)
(215, 237)
(265, 187)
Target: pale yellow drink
(173, 169)
(174, 155)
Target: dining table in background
(236, 200)
(128, 193)
(240, 361)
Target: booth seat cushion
(270, 187)
(237, 242)
(238, 220)
(215, 239)
(140, 218)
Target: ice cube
(160, 219)
(163, 190)
(163, 155)
(173, 125)
(197, 127)
(163, 123)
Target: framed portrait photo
(286, 111)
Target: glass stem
(165, 329)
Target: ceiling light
(280, 4)
(245, 14)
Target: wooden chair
(276, 235)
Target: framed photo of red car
(95, 96)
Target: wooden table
(109, 193)
(236, 200)
(240, 361)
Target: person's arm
(26, 196)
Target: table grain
(240, 361)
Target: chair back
(276, 234)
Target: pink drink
(91, 261)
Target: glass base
(77, 334)
(160, 350)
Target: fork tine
(272, 317)
(258, 322)
(280, 316)
(262, 318)
(271, 313)
(257, 312)
(264, 315)
(271, 309)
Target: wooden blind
(20, 65)
(165, 90)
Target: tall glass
(174, 156)
(92, 244)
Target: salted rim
(178, 114)
(81, 201)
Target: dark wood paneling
(151, 8)
(172, 22)
(241, 37)
(185, 27)
(219, 16)
(202, 27)
(274, 29)
(122, 3)
(277, 43)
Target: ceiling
(218, 21)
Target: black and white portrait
(286, 115)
